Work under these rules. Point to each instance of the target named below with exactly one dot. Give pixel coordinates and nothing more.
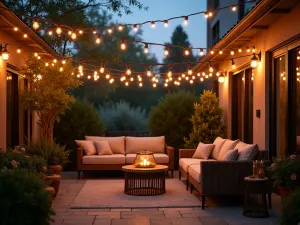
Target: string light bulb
(212, 52)
(25, 36)
(141, 84)
(152, 24)
(35, 25)
(94, 32)
(170, 72)
(109, 30)
(63, 62)
(128, 71)
(221, 79)
(233, 8)
(102, 69)
(120, 27)
(135, 27)
(186, 21)
(146, 49)
(253, 49)
(186, 51)
(166, 23)
(50, 32)
(233, 64)
(240, 50)
(73, 35)
(126, 83)
(248, 49)
(190, 71)
(123, 45)
(58, 30)
(80, 32)
(201, 52)
(220, 52)
(98, 40)
(231, 52)
(19, 50)
(166, 51)
(16, 29)
(149, 71)
(211, 69)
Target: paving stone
(130, 222)
(102, 222)
(79, 213)
(144, 209)
(173, 209)
(120, 210)
(108, 215)
(172, 214)
(91, 210)
(140, 214)
(214, 221)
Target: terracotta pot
(285, 191)
(54, 181)
(50, 191)
(56, 169)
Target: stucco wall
(282, 29)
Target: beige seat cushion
(87, 146)
(228, 145)
(219, 142)
(159, 158)
(117, 144)
(104, 159)
(185, 163)
(203, 151)
(195, 172)
(152, 144)
(103, 148)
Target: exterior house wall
(282, 29)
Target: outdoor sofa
(124, 151)
(214, 176)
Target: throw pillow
(248, 152)
(87, 146)
(219, 142)
(228, 145)
(203, 151)
(103, 148)
(231, 155)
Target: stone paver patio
(214, 215)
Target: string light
(109, 30)
(128, 71)
(126, 83)
(19, 50)
(74, 36)
(170, 71)
(146, 50)
(211, 69)
(152, 24)
(94, 32)
(190, 71)
(58, 30)
(240, 50)
(212, 52)
(135, 27)
(102, 69)
(80, 32)
(123, 45)
(141, 84)
(16, 29)
(233, 8)
(220, 52)
(166, 51)
(186, 21)
(253, 49)
(50, 33)
(98, 40)
(201, 52)
(166, 23)
(120, 27)
(35, 25)
(25, 36)
(221, 79)
(231, 52)
(248, 49)
(149, 71)
(233, 64)
(186, 51)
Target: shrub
(291, 209)
(79, 120)
(121, 116)
(53, 153)
(24, 200)
(170, 118)
(207, 120)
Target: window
(216, 33)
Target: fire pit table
(145, 181)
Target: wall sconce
(255, 59)
(4, 52)
(221, 78)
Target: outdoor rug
(97, 194)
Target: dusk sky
(164, 9)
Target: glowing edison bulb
(233, 8)
(186, 51)
(16, 29)
(63, 62)
(39, 57)
(166, 23)
(50, 32)
(154, 85)
(220, 52)
(61, 69)
(98, 41)
(233, 65)
(201, 52)
(141, 84)
(149, 73)
(74, 36)
(248, 49)
(18, 50)
(128, 71)
(101, 69)
(240, 50)
(36, 54)
(69, 33)
(166, 52)
(152, 24)
(186, 21)
(123, 45)
(25, 36)
(169, 73)
(35, 25)
(107, 76)
(191, 81)
(166, 84)
(111, 80)
(46, 64)
(109, 30)
(201, 79)
(231, 52)
(190, 72)
(126, 83)
(211, 69)
(131, 79)
(58, 30)
(135, 27)
(212, 52)
(54, 60)
(146, 49)
(221, 79)
(88, 77)
(80, 32)
(120, 27)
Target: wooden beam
(260, 27)
(281, 10)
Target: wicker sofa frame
(85, 167)
(220, 177)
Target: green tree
(48, 94)
(170, 118)
(207, 120)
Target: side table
(145, 181)
(255, 200)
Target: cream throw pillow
(203, 151)
(219, 142)
(231, 155)
(103, 148)
(87, 146)
(228, 145)
(117, 144)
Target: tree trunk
(47, 123)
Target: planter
(55, 168)
(54, 182)
(50, 191)
(285, 191)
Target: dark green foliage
(122, 117)
(171, 117)
(291, 209)
(81, 119)
(207, 120)
(53, 153)
(24, 200)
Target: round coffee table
(145, 181)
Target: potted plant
(23, 198)
(286, 174)
(55, 155)
(53, 180)
(291, 209)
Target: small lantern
(144, 159)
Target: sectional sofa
(123, 151)
(215, 175)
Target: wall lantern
(255, 59)
(221, 79)
(4, 52)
